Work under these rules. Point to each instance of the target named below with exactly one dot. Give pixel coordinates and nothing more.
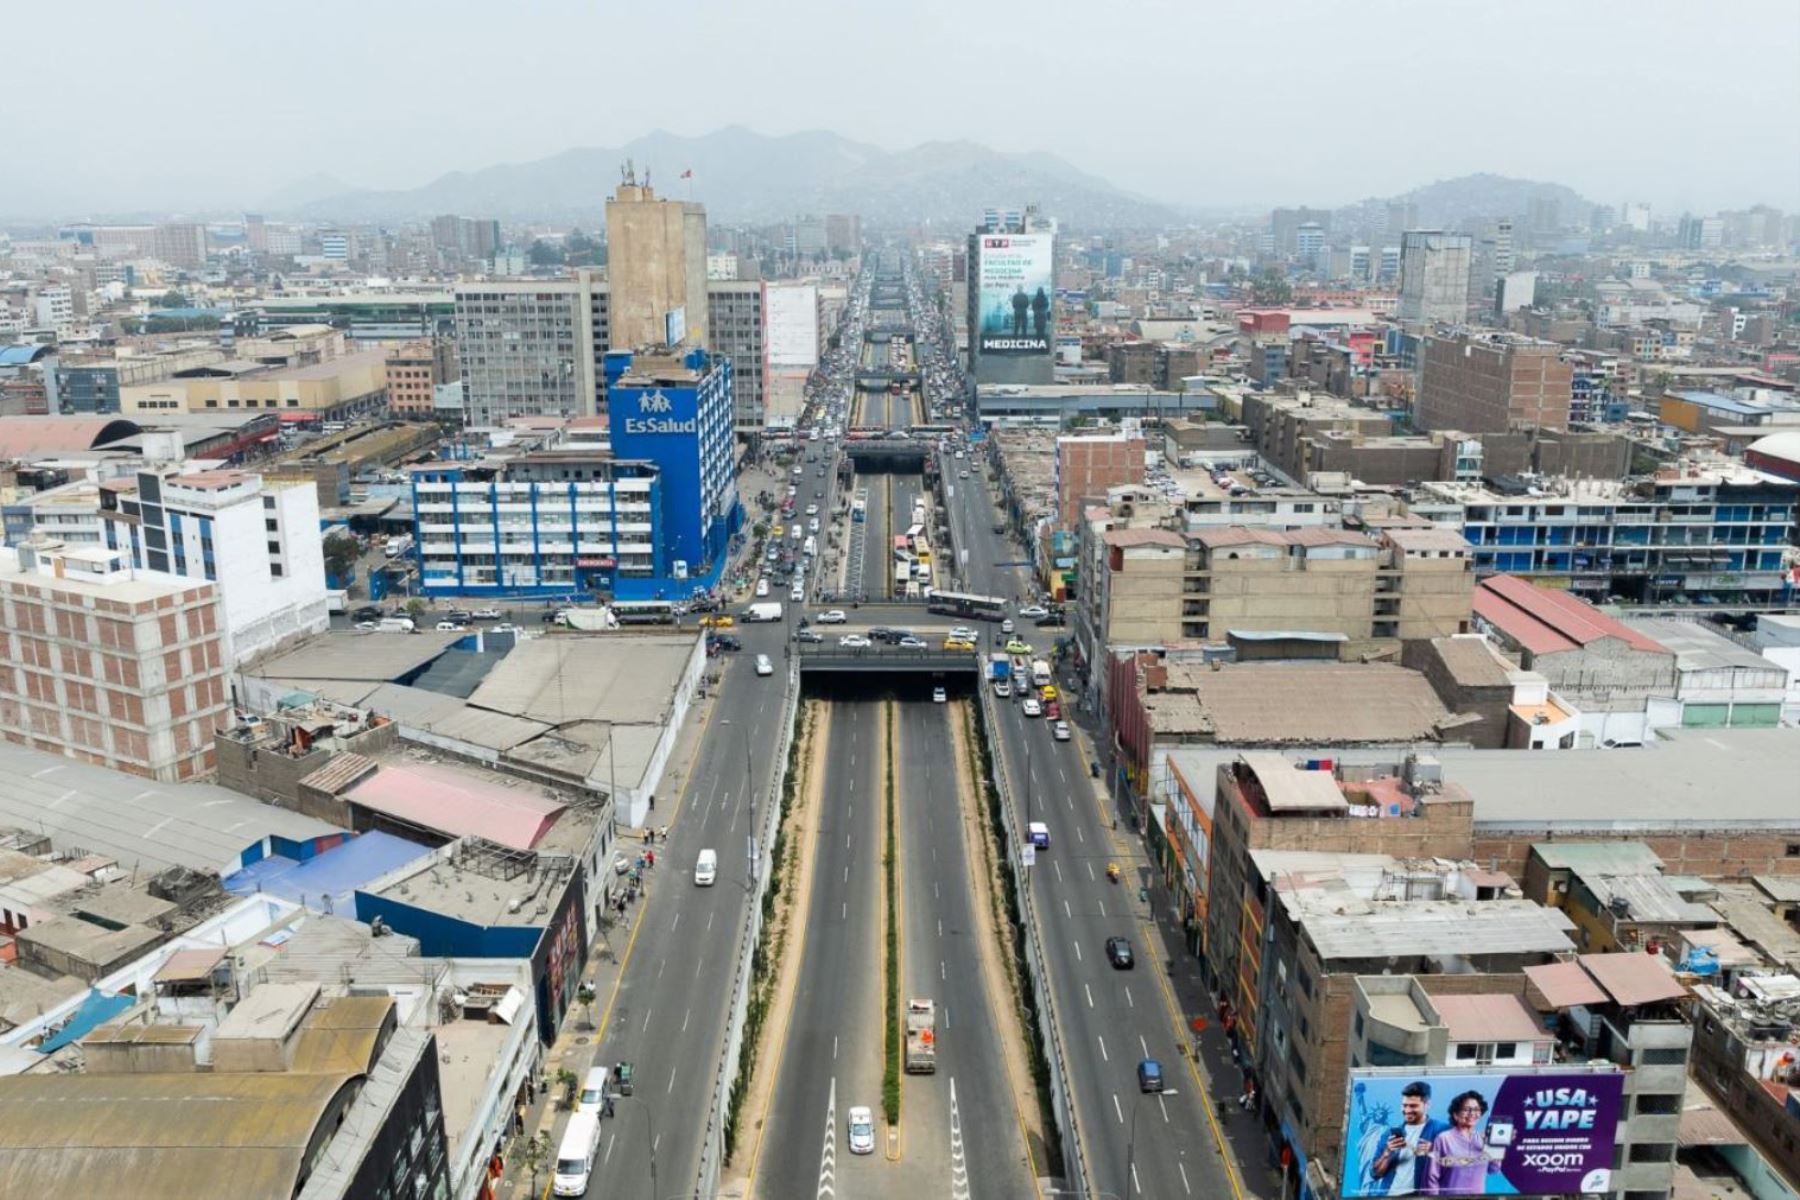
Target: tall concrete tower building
(655, 268)
(1434, 275)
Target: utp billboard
(1016, 293)
(1493, 1133)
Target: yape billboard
(1017, 287)
(1491, 1133)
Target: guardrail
(1049, 1029)
(712, 1145)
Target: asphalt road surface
(1110, 1018)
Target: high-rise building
(1700, 233)
(1543, 214)
(1011, 306)
(334, 245)
(843, 231)
(676, 412)
(655, 269)
(118, 667)
(180, 245)
(1309, 242)
(1490, 384)
(737, 324)
(256, 232)
(528, 348)
(1285, 225)
(1402, 215)
(810, 237)
(1434, 275)
(465, 237)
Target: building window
(1668, 1056)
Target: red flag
(689, 174)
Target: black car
(882, 634)
(1118, 953)
(371, 613)
(725, 641)
(461, 616)
(1053, 621)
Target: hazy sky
(121, 104)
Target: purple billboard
(1491, 1133)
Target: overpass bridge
(832, 659)
(907, 454)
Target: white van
(593, 1091)
(575, 1158)
(706, 869)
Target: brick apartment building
(1490, 384)
(1087, 466)
(125, 669)
(414, 373)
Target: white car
(812, 510)
(764, 666)
(963, 633)
(762, 588)
(836, 616)
(1032, 707)
(1060, 731)
(854, 641)
(1002, 689)
(938, 696)
(486, 614)
(1006, 626)
(798, 594)
(812, 526)
(448, 627)
(1034, 612)
(862, 1130)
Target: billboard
(1489, 1133)
(1017, 289)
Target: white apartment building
(260, 543)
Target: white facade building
(1434, 275)
(261, 545)
(795, 316)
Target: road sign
(1028, 855)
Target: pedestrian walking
(650, 857)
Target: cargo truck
(921, 1037)
(999, 668)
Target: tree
(543, 254)
(1271, 288)
(340, 557)
(586, 995)
(415, 608)
(171, 299)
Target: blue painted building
(651, 518)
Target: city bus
(644, 612)
(962, 604)
(902, 548)
(922, 548)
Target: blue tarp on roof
(23, 353)
(328, 882)
(95, 1011)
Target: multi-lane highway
(1135, 1144)
(829, 1057)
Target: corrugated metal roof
(1565, 984)
(342, 772)
(1545, 620)
(436, 797)
(1633, 978)
(197, 1136)
(1491, 1017)
(624, 679)
(137, 822)
(1290, 789)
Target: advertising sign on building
(675, 325)
(1017, 293)
(793, 324)
(1498, 1132)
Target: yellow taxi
(1049, 691)
(718, 621)
(958, 644)
(776, 531)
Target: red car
(1052, 710)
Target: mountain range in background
(746, 177)
(743, 176)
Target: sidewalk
(577, 1044)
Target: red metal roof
(1544, 620)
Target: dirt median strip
(998, 970)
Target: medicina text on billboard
(1497, 1132)
(1017, 288)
